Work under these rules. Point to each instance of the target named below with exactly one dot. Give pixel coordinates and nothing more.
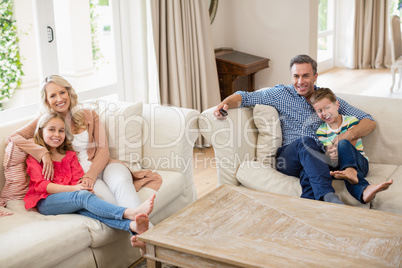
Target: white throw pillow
(123, 125)
(269, 137)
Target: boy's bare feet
(349, 174)
(371, 190)
(140, 224)
(138, 244)
(144, 208)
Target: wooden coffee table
(239, 227)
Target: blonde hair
(75, 110)
(42, 122)
(322, 93)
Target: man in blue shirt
(301, 152)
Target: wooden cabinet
(236, 70)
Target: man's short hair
(304, 59)
(322, 93)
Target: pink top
(66, 172)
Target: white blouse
(80, 145)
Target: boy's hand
(332, 151)
(343, 136)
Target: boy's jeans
(349, 156)
(87, 204)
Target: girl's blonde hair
(75, 110)
(38, 136)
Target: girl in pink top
(67, 192)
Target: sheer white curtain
(367, 35)
(139, 61)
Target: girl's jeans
(87, 204)
(349, 156)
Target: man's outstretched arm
(232, 101)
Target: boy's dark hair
(322, 93)
(299, 59)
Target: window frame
(47, 62)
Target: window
(326, 22)
(79, 40)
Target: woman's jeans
(349, 156)
(87, 204)
(304, 159)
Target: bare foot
(144, 208)
(140, 224)
(371, 190)
(138, 244)
(349, 174)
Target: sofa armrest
(169, 134)
(234, 140)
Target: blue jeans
(87, 204)
(349, 156)
(304, 159)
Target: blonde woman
(66, 193)
(110, 179)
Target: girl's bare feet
(138, 244)
(140, 224)
(144, 208)
(371, 190)
(349, 174)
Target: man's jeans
(349, 156)
(304, 159)
(87, 204)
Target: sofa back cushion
(383, 145)
(269, 137)
(123, 123)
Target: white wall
(273, 29)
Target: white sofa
(144, 136)
(245, 145)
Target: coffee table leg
(153, 264)
(151, 253)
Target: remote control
(223, 112)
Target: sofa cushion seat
(100, 234)
(67, 239)
(259, 176)
(389, 200)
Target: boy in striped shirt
(347, 159)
